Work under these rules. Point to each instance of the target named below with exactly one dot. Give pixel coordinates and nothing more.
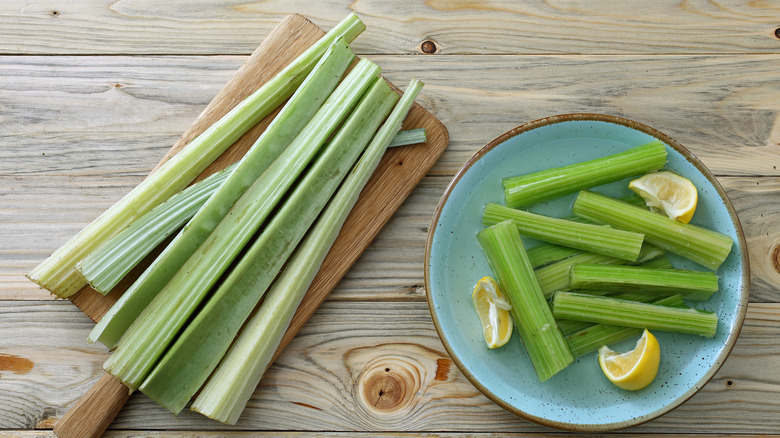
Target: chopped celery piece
(593, 337)
(662, 262)
(411, 136)
(105, 267)
(196, 352)
(586, 237)
(510, 265)
(693, 285)
(706, 247)
(606, 310)
(555, 276)
(149, 336)
(527, 190)
(227, 391)
(547, 253)
(300, 121)
(57, 273)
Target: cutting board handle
(92, 414)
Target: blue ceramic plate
(580, 397)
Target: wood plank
(464, 27)
(48, 210)
(316, 383)
(118, 115)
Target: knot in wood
(774, 259)
(388, 386)
(429, 47)
(777, 33)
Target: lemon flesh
(669, 193)
(635, 369)
(492, 307)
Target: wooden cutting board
(399, 172)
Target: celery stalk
(706, 247)
(555, 276)
(106, 267)
(300, 122)
(227, 391)
(593, 337)
(606, 310)
(693, 285)
(547, 253)
(586, 237)
(411, 136)
(57, 273)
(185, 366)
(526, 190)
(509, 262)
(149, 336)
(661, 262)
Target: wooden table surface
(92, 94)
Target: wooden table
(93, 93)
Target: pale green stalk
(547, 253)
(594, 336)
(606, 310)
(300, 122)
(509, 263)
(693, 285)
(411, 136)
(196, 352)
(57, 273)
(227, 391)
(586, 237)
(149, 336)
(706, 247)
(530, 189)
(105, 268)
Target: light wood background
(92, 94)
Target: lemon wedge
(669, 193)
(635, 369)
(493, 310)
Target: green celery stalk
(530, 189)
(411, 136)
(586, 237)
(57, 273)
(569, 326)
(661, 262)
(297, 125)
(106, 267)
(193, 356)
(227, 391)
(546, 253)
(606, 310)
(706, 247)
(555, 276)
(693, 285)
(593, 337)
(509, 262)
(151, 333)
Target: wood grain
(315, 385)
(391, 268)
(461, 27)
(128, 111)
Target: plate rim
(744, 290)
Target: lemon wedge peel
(668, 193)
(492, 307)
(635, 369)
